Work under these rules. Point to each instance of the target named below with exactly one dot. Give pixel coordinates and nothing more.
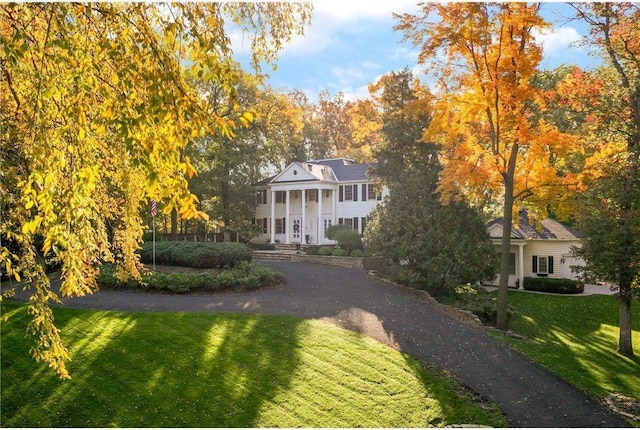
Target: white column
(273, 217)
(320, 235)
(333, 211)
(303, 223)
(287, 227)
(521, 264)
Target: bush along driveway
(529, 395)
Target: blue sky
(351, 44)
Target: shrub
(339, 252)
(325, 250)
(357, 253)
(313, 250)
(478, 301)
(197, 254)
(553, 285)
(346, 237)
(244, 276)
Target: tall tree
(96, 113)
(494, 147)
(405, 114)
(443, 245)
(611, 211)
(365, 130)
(335, 125)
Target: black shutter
(340, 193)
(355, 192)
(534, 263)
(364, 223)
(265, 225)
(550, 263)
(364, 192)
(264, 196)
(284, 223)
(355, 224)
(340, 221)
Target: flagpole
(154, 212)
(154, 243)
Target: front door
(296, 229)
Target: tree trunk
(503, 287)
(625, 346)
(174, 224)
(507, 222)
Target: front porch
(301, 215)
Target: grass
(576, 338)
(221, 370)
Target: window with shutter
(542, 264)
(371, 195)
(355, 224)
(348, 192)
(340, 193)
(355, 192)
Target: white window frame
(543, 265)
(348, 192)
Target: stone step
(289, 246)
(273, 255)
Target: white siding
(562, 255)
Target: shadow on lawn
(585, 330)
(203, 370)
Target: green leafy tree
(610, 215)
(443, 245)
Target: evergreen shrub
(244, 276)
(339, 252)
(325, 250)
(199, 255)
(553, 285)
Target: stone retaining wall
(366, 263)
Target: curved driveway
(529, 395)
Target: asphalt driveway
(529, 395)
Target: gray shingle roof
(550, 229)
(347, 170)
(344, 170)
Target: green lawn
(576, 337)
(221, 370)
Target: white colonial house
(544, 250)
(301, 202)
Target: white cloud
(555, 41)
(331, 18)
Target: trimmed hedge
(553, 285)
(244, 276)
(199, 255)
